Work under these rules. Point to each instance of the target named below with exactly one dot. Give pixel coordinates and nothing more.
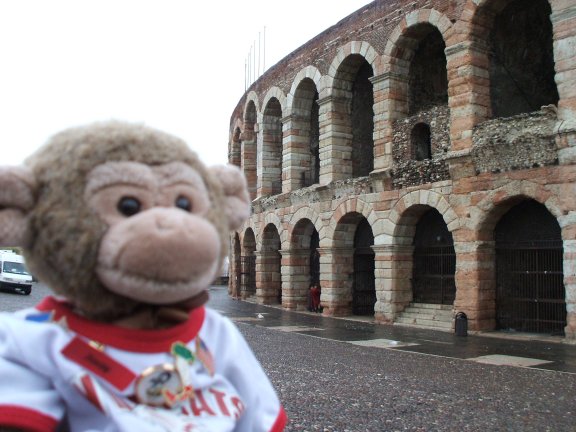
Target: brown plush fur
(65, 234)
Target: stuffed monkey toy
(129, 229)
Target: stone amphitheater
(417, 160)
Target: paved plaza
(346, 375)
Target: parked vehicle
(14, 275)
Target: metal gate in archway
(530, 293)
(434, 262)
(247, 275)
(364, 288)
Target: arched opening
(434, 261)
(270, 266)
(364, 287)
(420, 113)
(521, 58)
(421, 142)
(306, 148)
(428, 77)
(236, 267)
(530, 293)
(353, 116)
(362, 120)
(249, 148)
(235, 156)
(248, 265)
(314, 271)
(314, 171)
(272, 149)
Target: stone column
(570, 287)
(295, 278)
(295, 152)
(335, 139)
(564, 28)
(268, 277)
(249, 161)
(336, 278)
(475, 280)
(386, 87)
(469, 89)
(393, 273)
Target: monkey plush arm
(17, 189)
(28, 399)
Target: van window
(14, 267)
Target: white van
(14, 275)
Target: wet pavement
(496, 348)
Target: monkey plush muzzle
(159, 256)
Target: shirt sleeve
(28, 399)
(263, 411)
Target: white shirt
(197, 376)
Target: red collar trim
(145, 341)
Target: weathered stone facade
(461, 143)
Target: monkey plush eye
(183, 203)
(129, 206)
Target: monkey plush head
(119, 218)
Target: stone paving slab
(382, 343)
(507, 360)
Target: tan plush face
(159, 247)
(117, 217)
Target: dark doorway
(314, 258)
(434, 261)
(362, 121)
(364, 288)
(248, 276)
(420, 138)
(530, 293)
(248, 265)
(522, 59)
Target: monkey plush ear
(17, 190)
(236, 196)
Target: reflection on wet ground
(505, 349)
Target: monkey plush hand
(129, 229)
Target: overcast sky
(178, 65)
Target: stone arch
(309, 72)
(274, 92)
(303, 259)
(306, 213)
(400, 228)
(494, 207)
(248, 263)
(352, 205)
(353, 106)
(270, 145)
(417, 77)
(251, 97)
(510, 30)
(495, 212)
(248, 139)
(236, 252)
(469, 59)
(400, 49)
(361, 48)
(235, 146)
(353, 262)
(412, 205)
(269, 275)
(302, 131)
